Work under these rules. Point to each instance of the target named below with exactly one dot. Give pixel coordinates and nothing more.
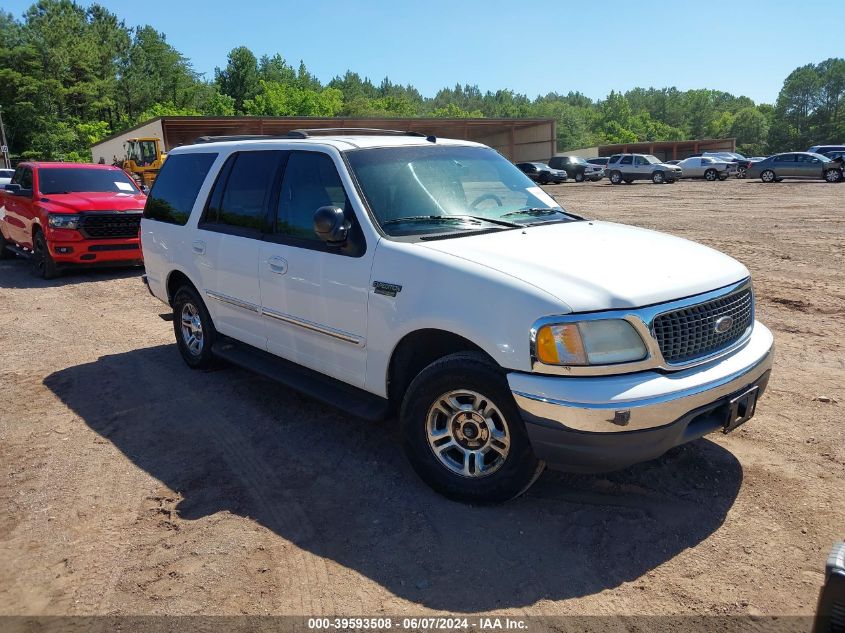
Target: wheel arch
(175, 280)
(417, 350)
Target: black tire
(711, 175)
(43, 265)
(658, 178)
(768, 176)
(185, 301)
(723, 177)
(579, 176)
(833, 175)
(472, 372)
(628, 181)
(615, 178)
(5, 253)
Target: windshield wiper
(449, 218)
(540, 211)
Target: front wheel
(658, 178)
(193, 327)
(767, 176)
(615, 178)
(579, 177)
(833, 175)
(463, 433)
(43, 265)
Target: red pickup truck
(65, 214)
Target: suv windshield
(75, 179)
(447, 189)
(652, 160)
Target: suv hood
(95, 201)
(592, 266)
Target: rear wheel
(43, 265)
(658, 178)
(193, 327)
(579, 176)
(711, 175)
(615, 178)
(767, 176)
(833, 175)
(463, 433)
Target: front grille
(690, 333)
(110, 225)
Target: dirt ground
(132, 485)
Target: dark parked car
(542, 173)
(796, 165)
(577, 168)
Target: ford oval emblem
(723, 324)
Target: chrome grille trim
(642, 319)
(689, 333)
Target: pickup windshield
(56, 180)
(414, 191)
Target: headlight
(601, 342)
(63, 221)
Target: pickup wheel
(5, 253)
(463, 433)
(43, 265)
(193, 328)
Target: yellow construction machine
(143, 158)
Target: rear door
(314, 295)
(785, 166)
(626, 166)
(228, 242)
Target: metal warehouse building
(664, 150)
(517, 139)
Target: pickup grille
(690, 333)
(110, 225)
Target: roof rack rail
(232, 137)
(305, 133)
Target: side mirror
(331, 225)
(13, 188)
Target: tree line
(71, 75)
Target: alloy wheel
(192, 334)
(467, 433)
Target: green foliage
(71, 75)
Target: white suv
(430, 278)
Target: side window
(784, 158)
(310, 182)
(627, 160)
(176, 188)
(639, 160)
(16, 178)
(242, 191)
(26, 178)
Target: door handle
(199, 247)
(278, 265)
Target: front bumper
(602, 423)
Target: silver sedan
(706, 167)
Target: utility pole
(5, 146)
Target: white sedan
(707, 168)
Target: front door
(314, 295)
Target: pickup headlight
(61, 221)
(601, 342)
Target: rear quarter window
(176, 187)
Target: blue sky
(738, 46)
